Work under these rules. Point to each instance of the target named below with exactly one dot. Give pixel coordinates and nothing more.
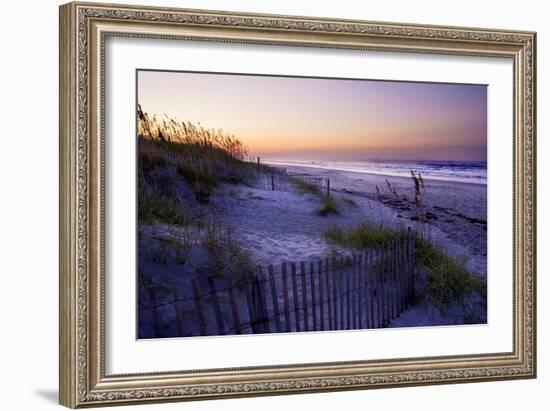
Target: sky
(301, 118)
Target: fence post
(328, 186)
(285, 298)
(198, 307)
(274, 297)
(272, 182)
(216, 304)
(304, 296)
(370, 282)
(295, 298)
(234, 306)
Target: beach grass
(448, 279)
(154, 207)
(361, 236)
(203, 157)
(304, 187)
(329, 206)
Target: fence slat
(349, 293)
(341, 294)
(285, 298)
(400, 274)
(295, 297)
(304, 296)
(330, 318)
(335, 295)
(413, 260)
(389, 300)
(378, 288)
(234, 307)
(274, 298)
(391, 282)
(198, 307)
(356, 301)
(321, 324)
(312, 284)
(216, 304)
(178, 308)
(370, 293)
(262, 301)
(247, 285)
(154, 301)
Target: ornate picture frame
(84, 29)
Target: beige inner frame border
(108, 389)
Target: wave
(460, 171)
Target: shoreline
(393, 175)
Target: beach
(279, 226)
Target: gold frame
(83, 30)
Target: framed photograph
(259, 204)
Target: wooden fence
(365, 290)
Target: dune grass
(448, 280)
(154, 207)
(304, 187)
(177, 135)
(329, 206)
(362, 236)
(203, 157)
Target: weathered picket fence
(365, 290)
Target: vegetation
(329, 206)
(203, 157)
(448, 279)
(154, 207)
(228, 255)
(361, 236)
(304, 187)
(178, 135)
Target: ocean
(461, 171)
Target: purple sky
(326, 119)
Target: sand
(285, 226)
(279, 226)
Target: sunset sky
(327, 119)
